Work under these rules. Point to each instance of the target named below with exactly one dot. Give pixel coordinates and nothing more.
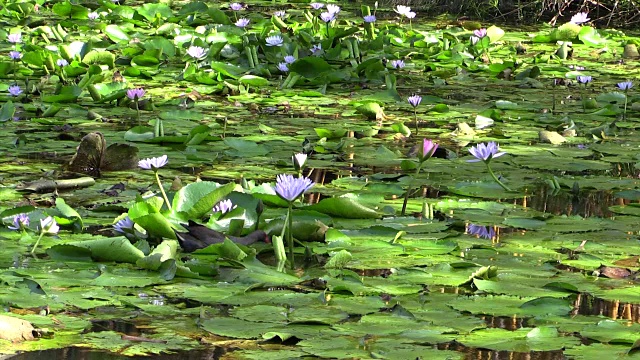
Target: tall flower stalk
(290, 188)
(625, 86)
(155, 164)
(135, 95)
(424, 153)
(485, 153)
(584, 80)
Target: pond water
(532, 254)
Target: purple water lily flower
(62, 62)
(584, 79)
(480, 33)
(283, 67)
(580, 18)
(402, 10)
(15, 90)
(15, 38)
(481, 231)
(15, 55)
(275, 40)
(280, 13)
(327, 16)
(235, 6)
(224, 206)
(414, 100)
(124, 226)
(316, 49)
(290, 188)
(93, 15)
(136, 93)
(20, 222)
(427, 150)
(289, 59)
(625, 85)
(369, 19)
(316, 5)
(197, 52)
(333, 9)
(242, 23)
(153, 163)
(49, 226)
(485, 152)
(397, 64)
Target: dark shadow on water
(74, 353)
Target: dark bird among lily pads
(199, 237)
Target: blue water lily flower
(485, 152)
(289, 187)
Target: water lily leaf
(347, 207)
(139, 134)
(610, 331)
(160, 43)
(506, 105)
(245, 148)
(253, 80)
(101, 58)
(151, 11)
(144, 60)
(116, 34)
(148, 216)
(372, 110)
(67, 94)
(236, 328)
(310, 67)
(104, 249)
(196, 199)
(339, 260)
(591, 37)
(66, 9)
(7, 111)
(495, 33)
(166, 250)
(67, 215)
(229, 70)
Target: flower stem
(164, 195)
(415, 117)
(496, 178)
(137, 107)
(290, 235)
(626, 98)
(406, 195)
(37, 242)
(328, 30)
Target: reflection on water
(504, 322)
(119, 326)
(586, 203)
(75, 353)
(586, 304)
(483, 354)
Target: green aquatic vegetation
(231, 91)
